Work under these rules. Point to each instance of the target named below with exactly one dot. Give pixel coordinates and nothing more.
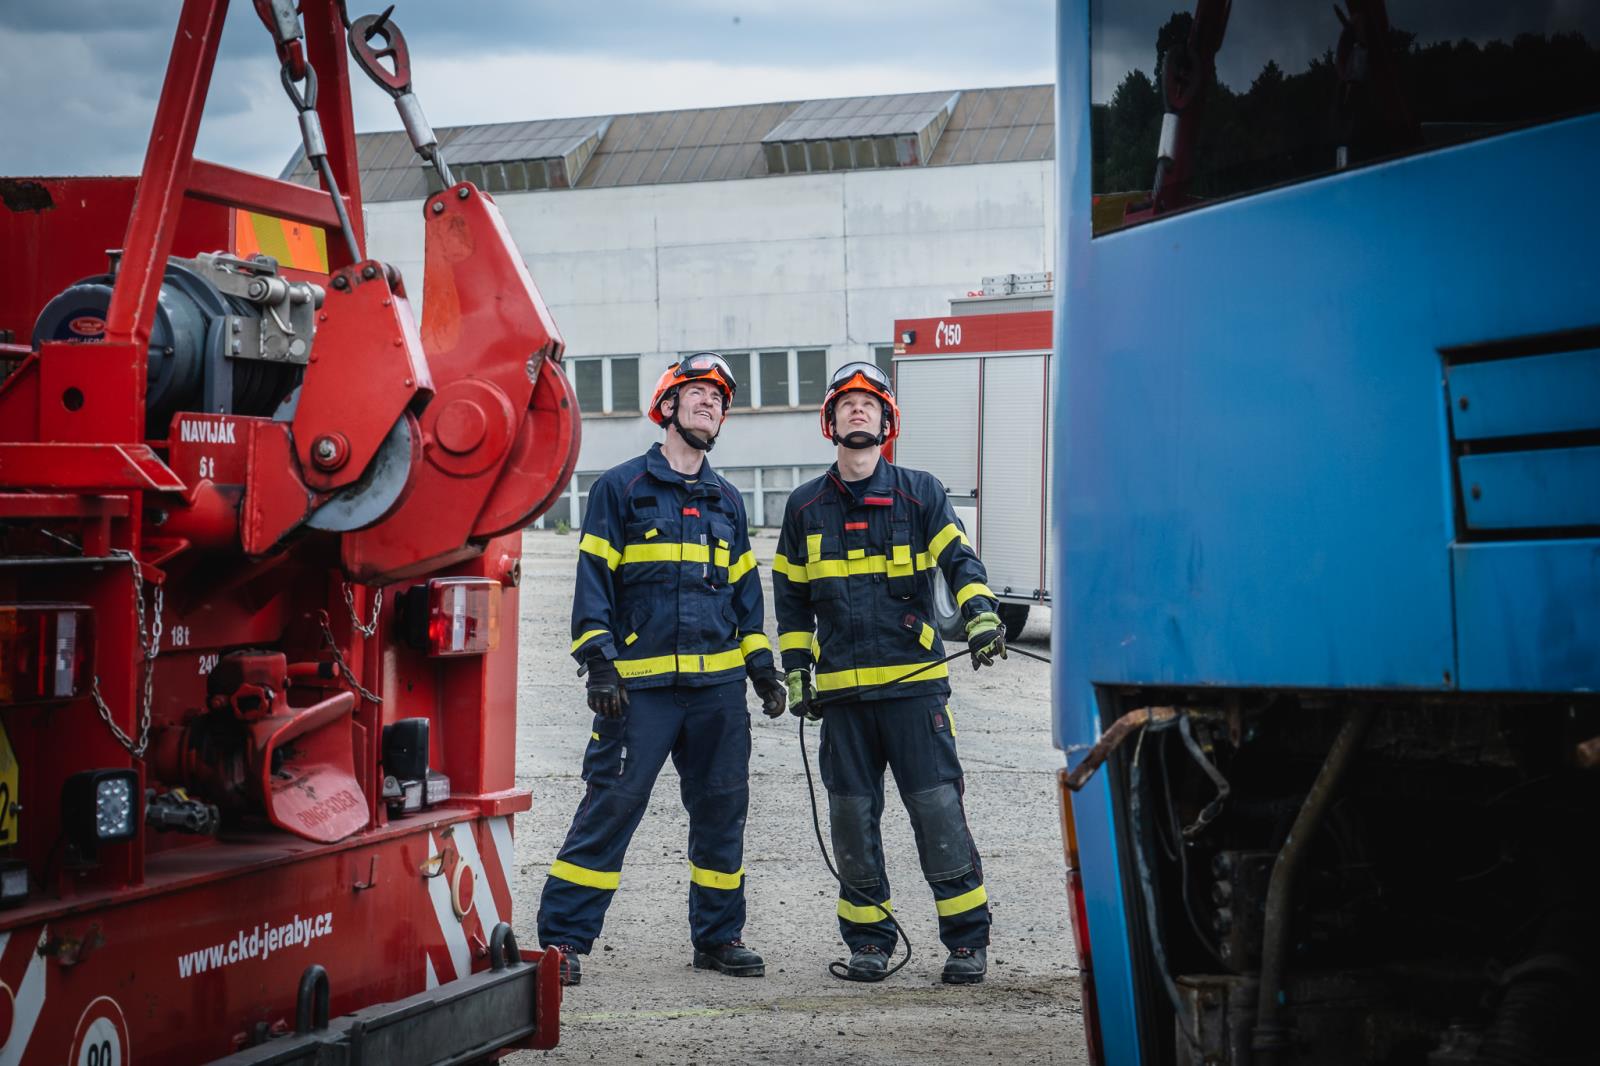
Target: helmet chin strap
(858, 439)
(690, 437)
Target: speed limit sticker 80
(101, 1038)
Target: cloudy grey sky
(81, 77)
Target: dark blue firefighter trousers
(915, 738)
(707, 732)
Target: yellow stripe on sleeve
(944, 538)
(744, 564)
(798, 641)
(600, 548)
(792, 571)
(976, 588)
(587, 636)
(753, 643)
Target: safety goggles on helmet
(706, 365)
(872, 374)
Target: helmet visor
(870, 371)
(703, 364)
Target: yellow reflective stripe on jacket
(588, 636)
(600, 548)
(872, 912)
(858, 565)
(715, 878)
(798, 641)
(792, 571)
(593, 735)
(745, 564)
(879, 675)
(966, 592)
(753, 643)
(925, 638)
(813, 546)
(944, 538)
(962, 903)
(682, 664)
(607, 880)
(666, 552)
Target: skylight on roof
(857, 133)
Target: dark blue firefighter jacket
(667, 584)
(853, 581)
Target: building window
(811, 366)
(587, 380)
(766, 489)
(745, 481)
(778, 379)
(624, 383)
(606, 384)
(739, 363)
(775, 379)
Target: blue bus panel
(1265, 474)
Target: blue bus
(1327, 508)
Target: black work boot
(966, 966)
(732, 958)
(868, 963)
(571, 969)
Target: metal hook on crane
(397, 82)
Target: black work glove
(770, 688)
(986, 639)
(607, 697)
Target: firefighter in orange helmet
(853, 578)
(667, 622)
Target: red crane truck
(259, 567)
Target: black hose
(839, 969)
(1271, 1036)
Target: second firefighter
(853, 583)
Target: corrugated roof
(718, 143)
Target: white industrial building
(786, 236)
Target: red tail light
(44, 652)
(1080, 924)
(463, 615)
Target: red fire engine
(259, 561)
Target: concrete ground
(641, 1000)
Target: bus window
(1191, 106)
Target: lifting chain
(149, 646)
(338, 656)
(366, 629)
